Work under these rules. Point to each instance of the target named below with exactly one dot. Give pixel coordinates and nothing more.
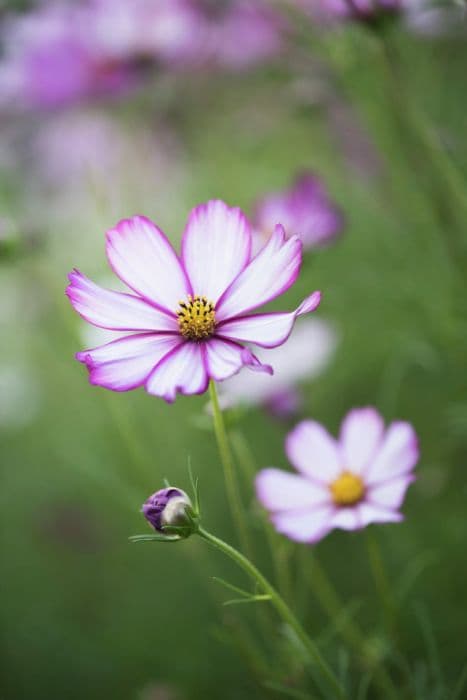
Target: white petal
(181, 371)
(346, 519)
(114, 310)
(397, 454)
(224, 358)
(368, 513)
(269, 274)
(390, 494)
(279, 491)
(216, 246)
(314, 452)
(267, 330)
(304, 527)
(361, 433)
(141, 255)
(126, 363)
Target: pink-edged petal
(279, 491)
(216, 246)
(390, 494)
(346, 519)
(397, 454)
(114, 310)
(126, 363)
(182, 371)
(224, 359)
(369, 513)
(143, 258)
(360, 436)
(269, 274)
(304, 527)
(267, 330)
(314, 452)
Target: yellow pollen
(196, 318)
(347, 489)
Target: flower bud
(169, 507)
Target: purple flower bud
(167, 507)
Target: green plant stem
(279, 604)
(382, 584)
(231, 483)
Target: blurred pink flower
(308, 351)
(347, 483)
(188, 317)
(305, 210)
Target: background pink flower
(347, 483)
(188, 317)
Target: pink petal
(390, 494)
(216, 247)
(361, 433)
(224, 359)
(126, 363)
(304, 527)
(267, 330)
(269, 274)
(314, 452)
(114, 310)
(369, 513)
(141, 255)
(181, 371)
(346, 519)
(397, 454)
(279, 491)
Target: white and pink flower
(188, 316)
(347, 483)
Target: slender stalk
(231, 483)
(381, 582)
(280, 605)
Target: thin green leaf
(251, 599)
(154, 538)
(231, 587)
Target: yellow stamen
(196, 318)
(347, 489)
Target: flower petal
(224, 359)
(361, 433)
(181, 371)
(280, 491)
(126, 363)
(269, 274)
(369, 513)
(390, 494)
(304, 527)
(141, 255)
(346, 519)
(216, 246)
(397, 454)
(267, 330)
(114, 310)
(314, 452)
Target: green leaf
(155, 538)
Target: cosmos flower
(188, 317)
(166, 507)
(347, 483)
(308, 351)
(305, 210)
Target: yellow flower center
(196, 318)
(347, 489)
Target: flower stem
(280, 605)
(381, 582)
(231, 483)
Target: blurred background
(110, 108)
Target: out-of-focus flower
(188, 317)
(305, 210)
(308, 351)
(347, 483)
(167, 507)
(239, 33)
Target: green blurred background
(87, 615)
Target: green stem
(231, 484)
(280, 605)
(381, 582)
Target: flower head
(305, 210)
(347, 483)
(167, 508)
(187, 318)
(308, 351)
